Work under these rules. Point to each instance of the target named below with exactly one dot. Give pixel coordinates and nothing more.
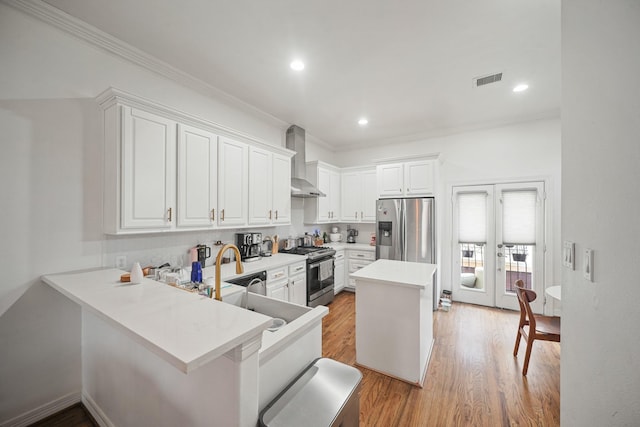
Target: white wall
(51, 173)
(600, 378)
(509, 153)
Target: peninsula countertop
(185, 329)
(401, 273)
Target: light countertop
(402, 273)
(185, 329)
(228, 271)
(353, 246)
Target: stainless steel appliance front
(405, 231)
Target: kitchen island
(153, 354)
(394, 318)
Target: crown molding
(98, 38)
(112, 96)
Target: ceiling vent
(485, 80)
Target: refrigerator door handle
(403, 230)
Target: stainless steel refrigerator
(405, 231)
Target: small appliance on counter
(249, 245)
(351, 235)
(266, 248)
(335, 235)
(204, 252)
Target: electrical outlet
(569, 254)
(121, 262)
(587, 264)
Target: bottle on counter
(196, 272)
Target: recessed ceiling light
(363, 121)
(521, 87)
(297, 65)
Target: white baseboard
(97, 413)
(43, 411)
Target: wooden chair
(544, 328)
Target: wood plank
(472, 379)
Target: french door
(498, 238)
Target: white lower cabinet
(339, 273)
(278, 283)
(288, 283)
(358, 259)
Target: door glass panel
(472, 265)
(519, 265)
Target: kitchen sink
(287, 351)
(268, 306)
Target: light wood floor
(472, 380)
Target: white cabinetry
(169, 171)
(232, 183)
(278, 283)
(339, 274)
(269, 187)
(323, 209)
(281, 189)
(197, 177)
(359, 195)
(407, 179)
(298, 283)
(140, 171)
(358, 259)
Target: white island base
(394, 318)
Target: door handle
(170, 211)
(500, 254)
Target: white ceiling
(406, 65)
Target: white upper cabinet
(407, 179)
(359, 195)
(369, 195)
(390, 180)
(323, 209)
(169, 171)
(197, 177)
(281, 189)
(269, 187)
(260, 185)
(232, 182)
(418, 178)
(142, 146)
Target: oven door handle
(316, 265)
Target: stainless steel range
(320, 270)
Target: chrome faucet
(239, 268)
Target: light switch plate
(569, 254)
(587, 264)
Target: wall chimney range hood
(300, 187)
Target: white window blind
(472, 217)
(519, 217)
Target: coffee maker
(249, 245)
